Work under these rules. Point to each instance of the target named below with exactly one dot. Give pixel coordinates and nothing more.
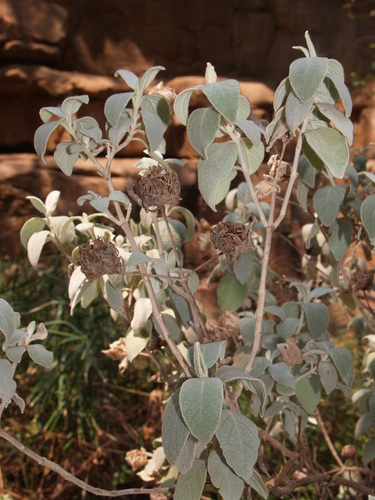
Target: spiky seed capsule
(100, 257)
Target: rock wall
(50, 49)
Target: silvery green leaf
(308, 392)
(230, 486)
(230, 293)
(368, 456)
(185, 459)
(112, 294)
(174, 431)
(363, 425)
(306, 171)
(129, 77)
(256, 482)
(310, 45)
(189, 220)
(338, 118)
(211, 352)
(84, 123)
(7, 385)
(281, 374)
(142, 311)
(242, 267)
(243, 109)
(135, 343)
(48, 112)
(178, 231)
(85, 295)
(281, 94)
(116, 134)
(369, 175)
(331, 147)
(41, 333)
(201, 401)
(302, 195)
(19, 402)
(340, 238)
(14, 354)
(199, 365)
(368, 215)
(64, 158)
(335, 69)
(148, 76)
(94, 133)
(136, 258)
(190, 486)
(220, 161)
(327, 92)
(239, 441)
(320, 291)
(173, 327)
(100, 204)
(317, 317)
(42, 136)
(7, 319)
(306, 75)
(224, 97)
(344, 93)
(119, 196)
(181, 103)
(181, 307)
(51, 201)
(296, 111)
(40, 355)
(31, 226)
(328, 376)
(327, 203)
(35, 246)
(343, 360)
(302, 289)
(115, 106)
(250, 129)
(155, 129)
(71, 105)
(277, 128)
(202, 126)
(275, 311)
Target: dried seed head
(100, 257)
(349, 451)
(362, 280)
(168, 93)
(230, 322)
(232, 238)
(159, 186)
(136, 458)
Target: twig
(328, 439)
(44, 462)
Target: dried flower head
(136, 458)
(100, 257)
(232, 238)
(362, 280)
(168, 93)
(291, 354)
(159, 186)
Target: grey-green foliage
(203, 433)
(16, 343)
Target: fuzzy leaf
(230, 293)
(256, 482)
(340, 238)
(190, 486)
(331, 147)
(369, 456)
(327, 203)
(129, 77)
(181, 103)
(211, 352)
(115, 106)
(317, 317)
(135, 343)
(344, 93)
(239, 441)
(328, 376)
(155, 114)
(281, 94)
(220, 161)
(174, 430)
(343, 360)
(142, 311)
(224, 97)
(7, 385)
(296, 111)
(254, 154)
(42, 136)
(7, 319)
(250, 129)
(148, 77)
(71, 105)
(202, 126)
(281, 374)
(368, 216)
(64, 158)
(230, 486)
(35, 246)
(40, 355)
(338, 118)
(306, 74)
(308, 392)
(201, 402)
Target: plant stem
(44, 462)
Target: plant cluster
(274, 356)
